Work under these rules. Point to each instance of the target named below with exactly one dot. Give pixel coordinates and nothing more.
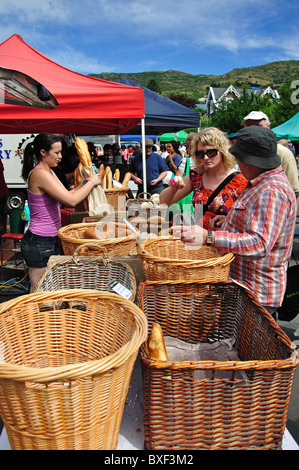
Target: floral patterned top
(222, 202)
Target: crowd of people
(243, 191)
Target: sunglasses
(209, 153)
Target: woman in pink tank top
(45, 194)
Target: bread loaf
(126, 179)
(89, 233)
(83, 152)
(156, 344)
(116, 175)
(108, 177)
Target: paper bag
(97, 201)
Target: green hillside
(195, 86)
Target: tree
(228, 116)
(287, 105)
(183, 100)
(154, 86)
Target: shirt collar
(265, 174)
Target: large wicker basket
(65, 372)
(167, 258)
(239, 404)
(89, 272)
(71, 236)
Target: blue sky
(194, 36)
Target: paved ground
(290, 329)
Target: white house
(216, 95)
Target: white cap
(255, 116)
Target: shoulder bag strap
(218, 189)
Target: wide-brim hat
(147, 141)
(257, 146)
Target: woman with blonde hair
(214, 182)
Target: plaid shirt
(259, 230)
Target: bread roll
(126, 179)
(156, 344)
(89, 233)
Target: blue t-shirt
(155, 165)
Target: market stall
(86, 105)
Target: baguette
(108, 173)
(116, 175)
(83, 153)
(126, 179)
(156, 344)
(86, 152)
(78, 178)
(102, 174)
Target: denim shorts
(36, 250)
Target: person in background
(125, 154)
(288, 163)
(288, 144)
(45, 194)
(183, 148)
(69, 162)
(259, 227)
(3, 198)
(156, 169)
(175, 160)
(107, 157)
(214, 163)
(164, 152)
(118, 161)
(188, 143)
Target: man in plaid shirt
(259, 228)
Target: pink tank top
(45, 217)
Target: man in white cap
(288, 163)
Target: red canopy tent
(87, 105)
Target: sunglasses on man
(209, 153)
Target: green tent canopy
(178, 136)
(288, 130)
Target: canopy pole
(143, 154)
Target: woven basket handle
(91, 245)
(142, 199)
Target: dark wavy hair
(176, 146)
(32, 154)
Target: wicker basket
(90, 272)
(71, 236)
(238, 404)
(116, 197)
(135, 208)
(167, 258)
(65, 373)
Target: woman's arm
(177, 190)
(42, 181)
